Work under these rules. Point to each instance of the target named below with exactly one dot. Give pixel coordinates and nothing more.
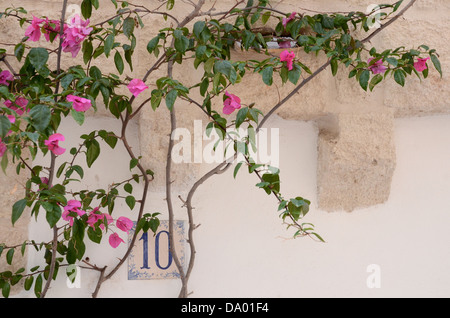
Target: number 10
(144, 237)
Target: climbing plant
(40, 95)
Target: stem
(184, 289)
(53, 157)
(102, 277)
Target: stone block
(356, 160)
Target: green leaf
(38, 57)
(318, 236)
(399, 77)
(265, 17)
(375, 80)
(6, 289)
(9, 256)
(241, 116)
(364, 79)
(87, 51)
(119, 62)
(86, 9)
(131, 201)
(40, 117)
(170, 4)
(93, 151)
(236, 169)
(392, 61)
(19, 49)
(267, 75)
(204, 86)
(334, 66)
(181, 43)
(38, 286)
(294, 74)
(152, 44)
(28, 282)
(128, 27)
(5, 126)
(77, 116)
(436, 63)
(227, 69)
(198, 28)
(128, 188)
(53, 213)
(133, 163)
(95, 235)
(18, 209)
(154, 224)
(170, 98)
(156, 99)
(109, 42)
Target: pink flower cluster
(2, 148)
(288, 57)
(52, 144)
(19, 106)
(5, 77)
(136, 86)
(377, 67)
(39, 26)
(96, 218)
(231, 103)
(74, 32)
(288, 19)
(421, 64)
(80, 104)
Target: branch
(53, 157)
(184, 281)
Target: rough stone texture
(12, 190)
(356, 160)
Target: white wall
(243, 250)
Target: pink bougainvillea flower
(288, 19)
(115, 240)
(377, 67)
(53, 146)
(49, 27)
(33, 32)
(80, 104)
(421, 64)
(5, 77)
(136, 86)
(231, 103)
(125, 224)
(288, 57)
(93, 218)
(74, 34)
(12, 118)
(72, 210)
(108, 217)
(19, 106)
(2, 148)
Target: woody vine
(36, 98)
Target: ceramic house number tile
(151, 257)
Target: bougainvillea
(36, 98)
